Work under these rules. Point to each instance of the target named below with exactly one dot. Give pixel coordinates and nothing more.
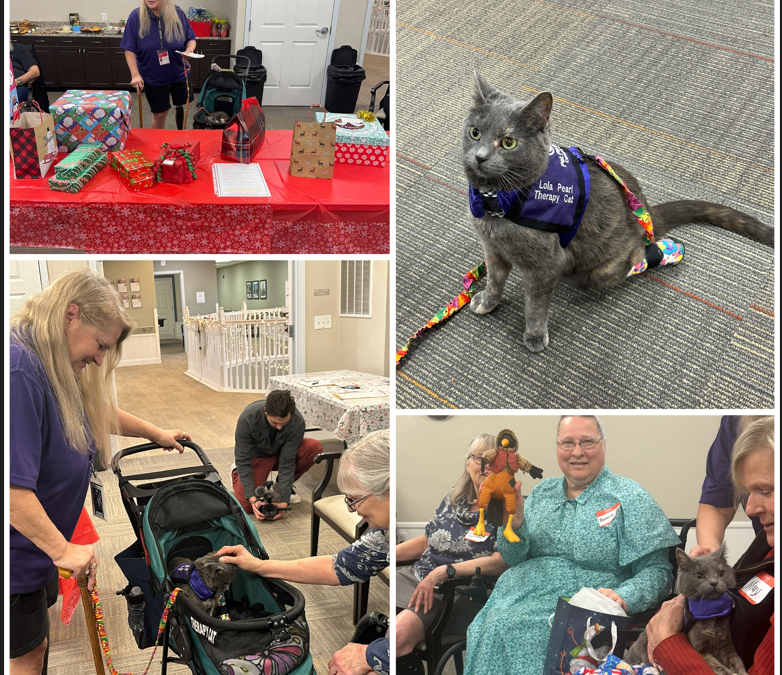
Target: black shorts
(159, 98)
(29, 618)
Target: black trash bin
(344, 80)
(255, 76)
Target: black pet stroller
(221, 95)
(187, 513)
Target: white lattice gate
(238, 351)
(379, 36)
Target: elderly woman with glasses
(448, 549)
(364, 477)
(589, 528)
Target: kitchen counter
(51, 28)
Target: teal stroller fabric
(189, 518)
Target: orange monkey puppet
(504, 461)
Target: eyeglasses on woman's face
(476, 457)
(352, 503)
(585, 443)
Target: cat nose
(481, 156)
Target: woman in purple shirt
(64, 344)
(153, 35)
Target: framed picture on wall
(255, 290)
(262, 289)
(249, 292)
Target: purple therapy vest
(555, 202)
(187, 573)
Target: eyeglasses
(476, 458)
(352, 505)
(584, 443)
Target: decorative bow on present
(176, 164)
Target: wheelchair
(451, 660)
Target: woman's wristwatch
(450, 571)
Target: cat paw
(480, 305)
(536, 343)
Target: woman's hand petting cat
(618, 599)
(241, 557)
(696, 550)
(668, 621)
(350, 660)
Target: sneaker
(272, 476)
(295, 499)
(233, 467)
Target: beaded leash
(104, 640)
(451, 308)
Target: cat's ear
(537, 112)
(682, 558)
(483, 92)
(720, 552)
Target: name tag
(96, 495)
(168, 162)
(162, 56)
(758, 587)
(606, 516)
(471, 536)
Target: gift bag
(312, 148)
(243, 138)
(580, 636)
(13, 97)
(33, 144)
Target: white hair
(598, 422)
(365, 467)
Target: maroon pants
(305, 458)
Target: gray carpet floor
(682, 96)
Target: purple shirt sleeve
(717, 487)
(26, 431)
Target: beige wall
(199, 275)
(231, 280)
(365, 340)
(90, 11)
(144, 270)
(57, 267)
(664, 453)
(351, 343)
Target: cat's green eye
(721, 573)
(475, 134)
(508, 143)
(698, 575)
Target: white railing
(379, 36)
(238, 351)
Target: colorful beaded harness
(638, 210)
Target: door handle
(323, 31)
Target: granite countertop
(52, 28)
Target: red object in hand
(84, 534)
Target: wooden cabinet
(97, 63)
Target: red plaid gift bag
(33, 144)
(244, 137)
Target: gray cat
(216, 576)
(507, 147)
(705, 577)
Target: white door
(294, 38)
(24, 278)
(164, 290)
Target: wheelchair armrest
(406, 563)
(329, 458)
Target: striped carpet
(682, 96)
(329, 609)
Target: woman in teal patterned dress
(587, 529)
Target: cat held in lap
(529, 217)
(705, 582)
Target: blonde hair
(755, 436)
(172, 26)
(366, 466)
(39, 326)
(464, 488)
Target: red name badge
(758, 587)
(162, 56)
(606, 516)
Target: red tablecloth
(349, 214)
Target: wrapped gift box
(87, 116)
(74, 183)
(358, 141)
(174, 169)
(136, 171)
(78, 161)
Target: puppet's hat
(506, 440)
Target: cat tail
(668, 215)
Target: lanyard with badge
(162, 55)
(96, 492)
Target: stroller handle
(144, 447)
(246, 68)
